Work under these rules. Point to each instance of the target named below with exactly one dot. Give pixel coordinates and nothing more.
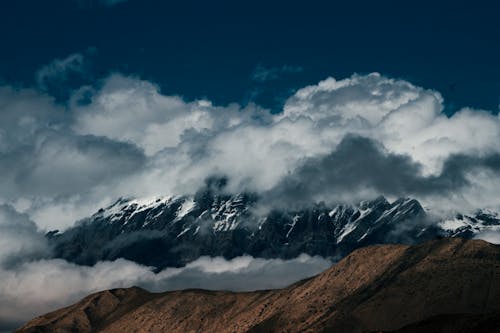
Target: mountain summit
(173, 231)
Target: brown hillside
(379, 288)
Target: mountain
(447, 285)
(172, 231)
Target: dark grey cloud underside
(28, 170)
(360, 163)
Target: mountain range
(173, 231)
(447, 285)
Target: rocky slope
(449, 284)
(172, 231)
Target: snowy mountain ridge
(172, 231)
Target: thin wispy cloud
(264, 74)
(58, 71)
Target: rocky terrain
(172, 231)
(446, 285)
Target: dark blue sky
(211, 48)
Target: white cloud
(31, 284)
(133, 110)
(132, 140)
(24, 113)
(58, 165)
(33, 288)
(490, 236)
(405, 118)
(366, 98)
(19, 238)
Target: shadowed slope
(385, 288)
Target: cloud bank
(32, 284)
(335, 141)
(126, 138)
(345, 171)
(33, 288)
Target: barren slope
(377, 288)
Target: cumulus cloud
(406, 119)
(336, 141)
(60, 163)
(348, 178)
(129, 139)
(19, 238)
(42, 160)
(133, 110)
(24, 113)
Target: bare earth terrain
(448, 285)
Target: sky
(297, 102)
(216, 49)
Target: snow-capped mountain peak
(174, 230)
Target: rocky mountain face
(447, 285)
(172, 231)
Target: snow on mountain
(481, 221)
(171, 231)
